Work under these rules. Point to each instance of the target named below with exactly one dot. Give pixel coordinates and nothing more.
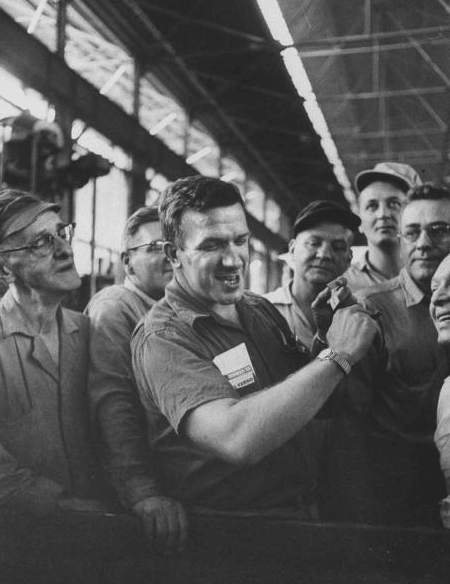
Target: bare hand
(352, 332)
(335, 295)
(165, 523)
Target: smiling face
(320, 254)
(380, 207)
(53, 273)
(212, 256)
(148, 269)
(422, 257)
(440, 301)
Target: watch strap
(330, 355)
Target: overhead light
(36, 16)
(113, 79)
(277, 25)
(165, 121)
(198, 155)
(229, 176)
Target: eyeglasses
(156, 245)
(45, 243)
(436, 232)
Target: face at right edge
(440, 301)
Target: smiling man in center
(226, 388)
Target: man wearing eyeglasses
(114, 313)
(46, 459)
(392, 394)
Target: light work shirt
(282, 299)
(45, 446)
(361, 274)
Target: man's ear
(6, 272)
(125, 258)
(171, 253)
(291, 246)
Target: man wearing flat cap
(225, 386)
(381, 198)
(46, 459)
(321, 252)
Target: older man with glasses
(46, 457)
(114, 313)
(391, 399)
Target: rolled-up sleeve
(174, 375)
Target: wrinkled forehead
(380, 191)
(426, 211)
(45, 222)
(21, 212)
(326, 230)
(225, 221)
(147, 232)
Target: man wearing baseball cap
(46, 459)
(381, 197)
(321, 252)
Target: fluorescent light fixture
(293, 63)
(229, 176)
(36, 16)
(113, 79)
(165, 121)
(198, 155)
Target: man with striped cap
(46, 459)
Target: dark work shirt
(173, 350)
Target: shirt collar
(186, 307)
(14, 321)
(413, 294)
(282, 295)
(189, 309)
(363, 263)
(130, 286)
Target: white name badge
(236, 366)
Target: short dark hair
(428, 191)
(140, 217)
(199, 193)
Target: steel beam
(416, 91)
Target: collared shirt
(283, 300)
(361, 274)
(173, 350)
(45, 445)
(400, 390)
(114, 313)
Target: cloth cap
(18, 210)
(325, 211)
(400, 175)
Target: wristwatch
(330, 355)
